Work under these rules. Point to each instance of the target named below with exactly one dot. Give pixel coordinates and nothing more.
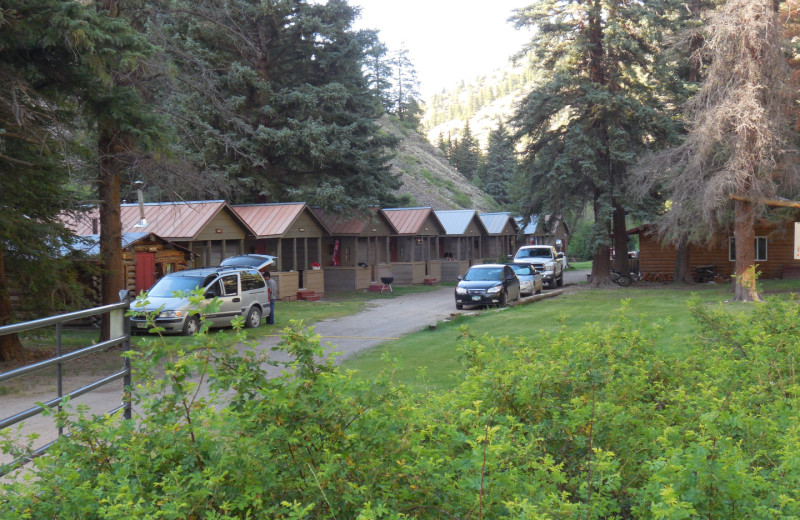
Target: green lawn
(428, 360)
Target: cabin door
(145, 271)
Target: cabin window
(760, 249)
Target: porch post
(280, 254)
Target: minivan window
(231, 285)
(251, 281)
(169, 285)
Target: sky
(447, 40)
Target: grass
(581, 265)
(430, 360)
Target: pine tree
(465, 156)
(596, 108)
(272, 99)
(738, 149)
(501, 165)
(406, 85)
(55, 57)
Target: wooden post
(294, 254)
(280, 254)
(305, 252)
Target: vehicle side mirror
(460, 277)
(560, 255)
(210, 294)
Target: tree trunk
(10, 346)
(744, 282)
(620, 240)
(111, 144)
(682, 273)
(601, 259)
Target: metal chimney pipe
(142, 221)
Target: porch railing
(120, 335)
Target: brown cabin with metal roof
(293, 233)
(414, 251)
(502, 229)
(358, 249)
(211, 230)
(462, 243)
(776, 253)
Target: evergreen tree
(465, 156)
(595, 110)
(273, 100)
(56, 57)
(737, 152)
(378, 70)
(406, 85)
(501, 165)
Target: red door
(145, 271)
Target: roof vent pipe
(142, 221)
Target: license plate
(476, 298)
(142, 325)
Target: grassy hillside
(428, 179)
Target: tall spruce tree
(56, 58)
(501, 165)
(465, 154)
(405, 89)
(595, 109)
(272, 99)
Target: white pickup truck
(546, 260)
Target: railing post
(59, 374)
(127, 380)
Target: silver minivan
(241, 292)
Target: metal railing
(120, 335)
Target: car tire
(191, 326)
(459, 306)
(560, 280)
(539, 291)
(503, 300)
(253, 319)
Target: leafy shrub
(595, 423)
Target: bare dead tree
(739, 137)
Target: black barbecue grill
(387, 283)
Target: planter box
(314, 280)
(408, 272)
(343, 279)
(288, 284)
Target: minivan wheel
(253, 318)
(191, 326)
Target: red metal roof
(409, 221)
(169, 220)
(273, 220)
(347, 225)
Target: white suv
(241, 292)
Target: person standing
(272, 294)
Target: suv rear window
(251, 281)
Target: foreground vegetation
(595, 421)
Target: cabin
(146, 257)
(359, 249)
(775, 247)
(211, 230)
(293, 233)
(462, 243)
(502, 230)
(414, 250)
(550, 230)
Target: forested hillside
(426, 177)
(483, 102)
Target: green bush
(595, 423)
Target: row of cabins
(316, 251)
